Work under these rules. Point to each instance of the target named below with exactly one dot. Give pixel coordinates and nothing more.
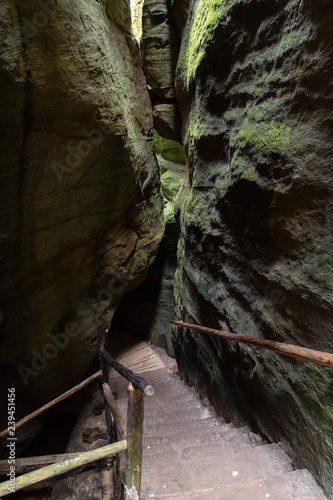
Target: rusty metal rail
(294, 351)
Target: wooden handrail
(120, 425)
(54, 402)
(138, 387)
(63, 466)
(301, 353)
(29, 464)
(137, 381)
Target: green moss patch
(171, 160)
(262, 137)
(170, 150)
(206, 18)
(261, 127)
(171, 183)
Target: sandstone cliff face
(81, 212)
(152, 303)
(254, 86)
(160, 48)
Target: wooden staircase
(189, 453)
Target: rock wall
(152, 304)
(254, 87)
(159, 48)
(146, 312)
(171, 160)
(81, 212)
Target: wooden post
(119, 423)
(134, 443)
(109, 420)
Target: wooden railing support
(119, 423)
(54, 402)
(134, 443)
(63, 466)
(137, 388)
(29, 464)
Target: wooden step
(294, 485)
(211, 435)
(229, 468)
(189, 453)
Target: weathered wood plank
(64, 466)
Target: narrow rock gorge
(81, 215)
(186, 175)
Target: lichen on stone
(262, 137)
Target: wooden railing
(127, 437)
(138, 387)
(294, 351)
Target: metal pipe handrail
(301, 353)
(139, 382)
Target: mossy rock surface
(170, 150)
(171, 182)
(255, 252)
(171, 159)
